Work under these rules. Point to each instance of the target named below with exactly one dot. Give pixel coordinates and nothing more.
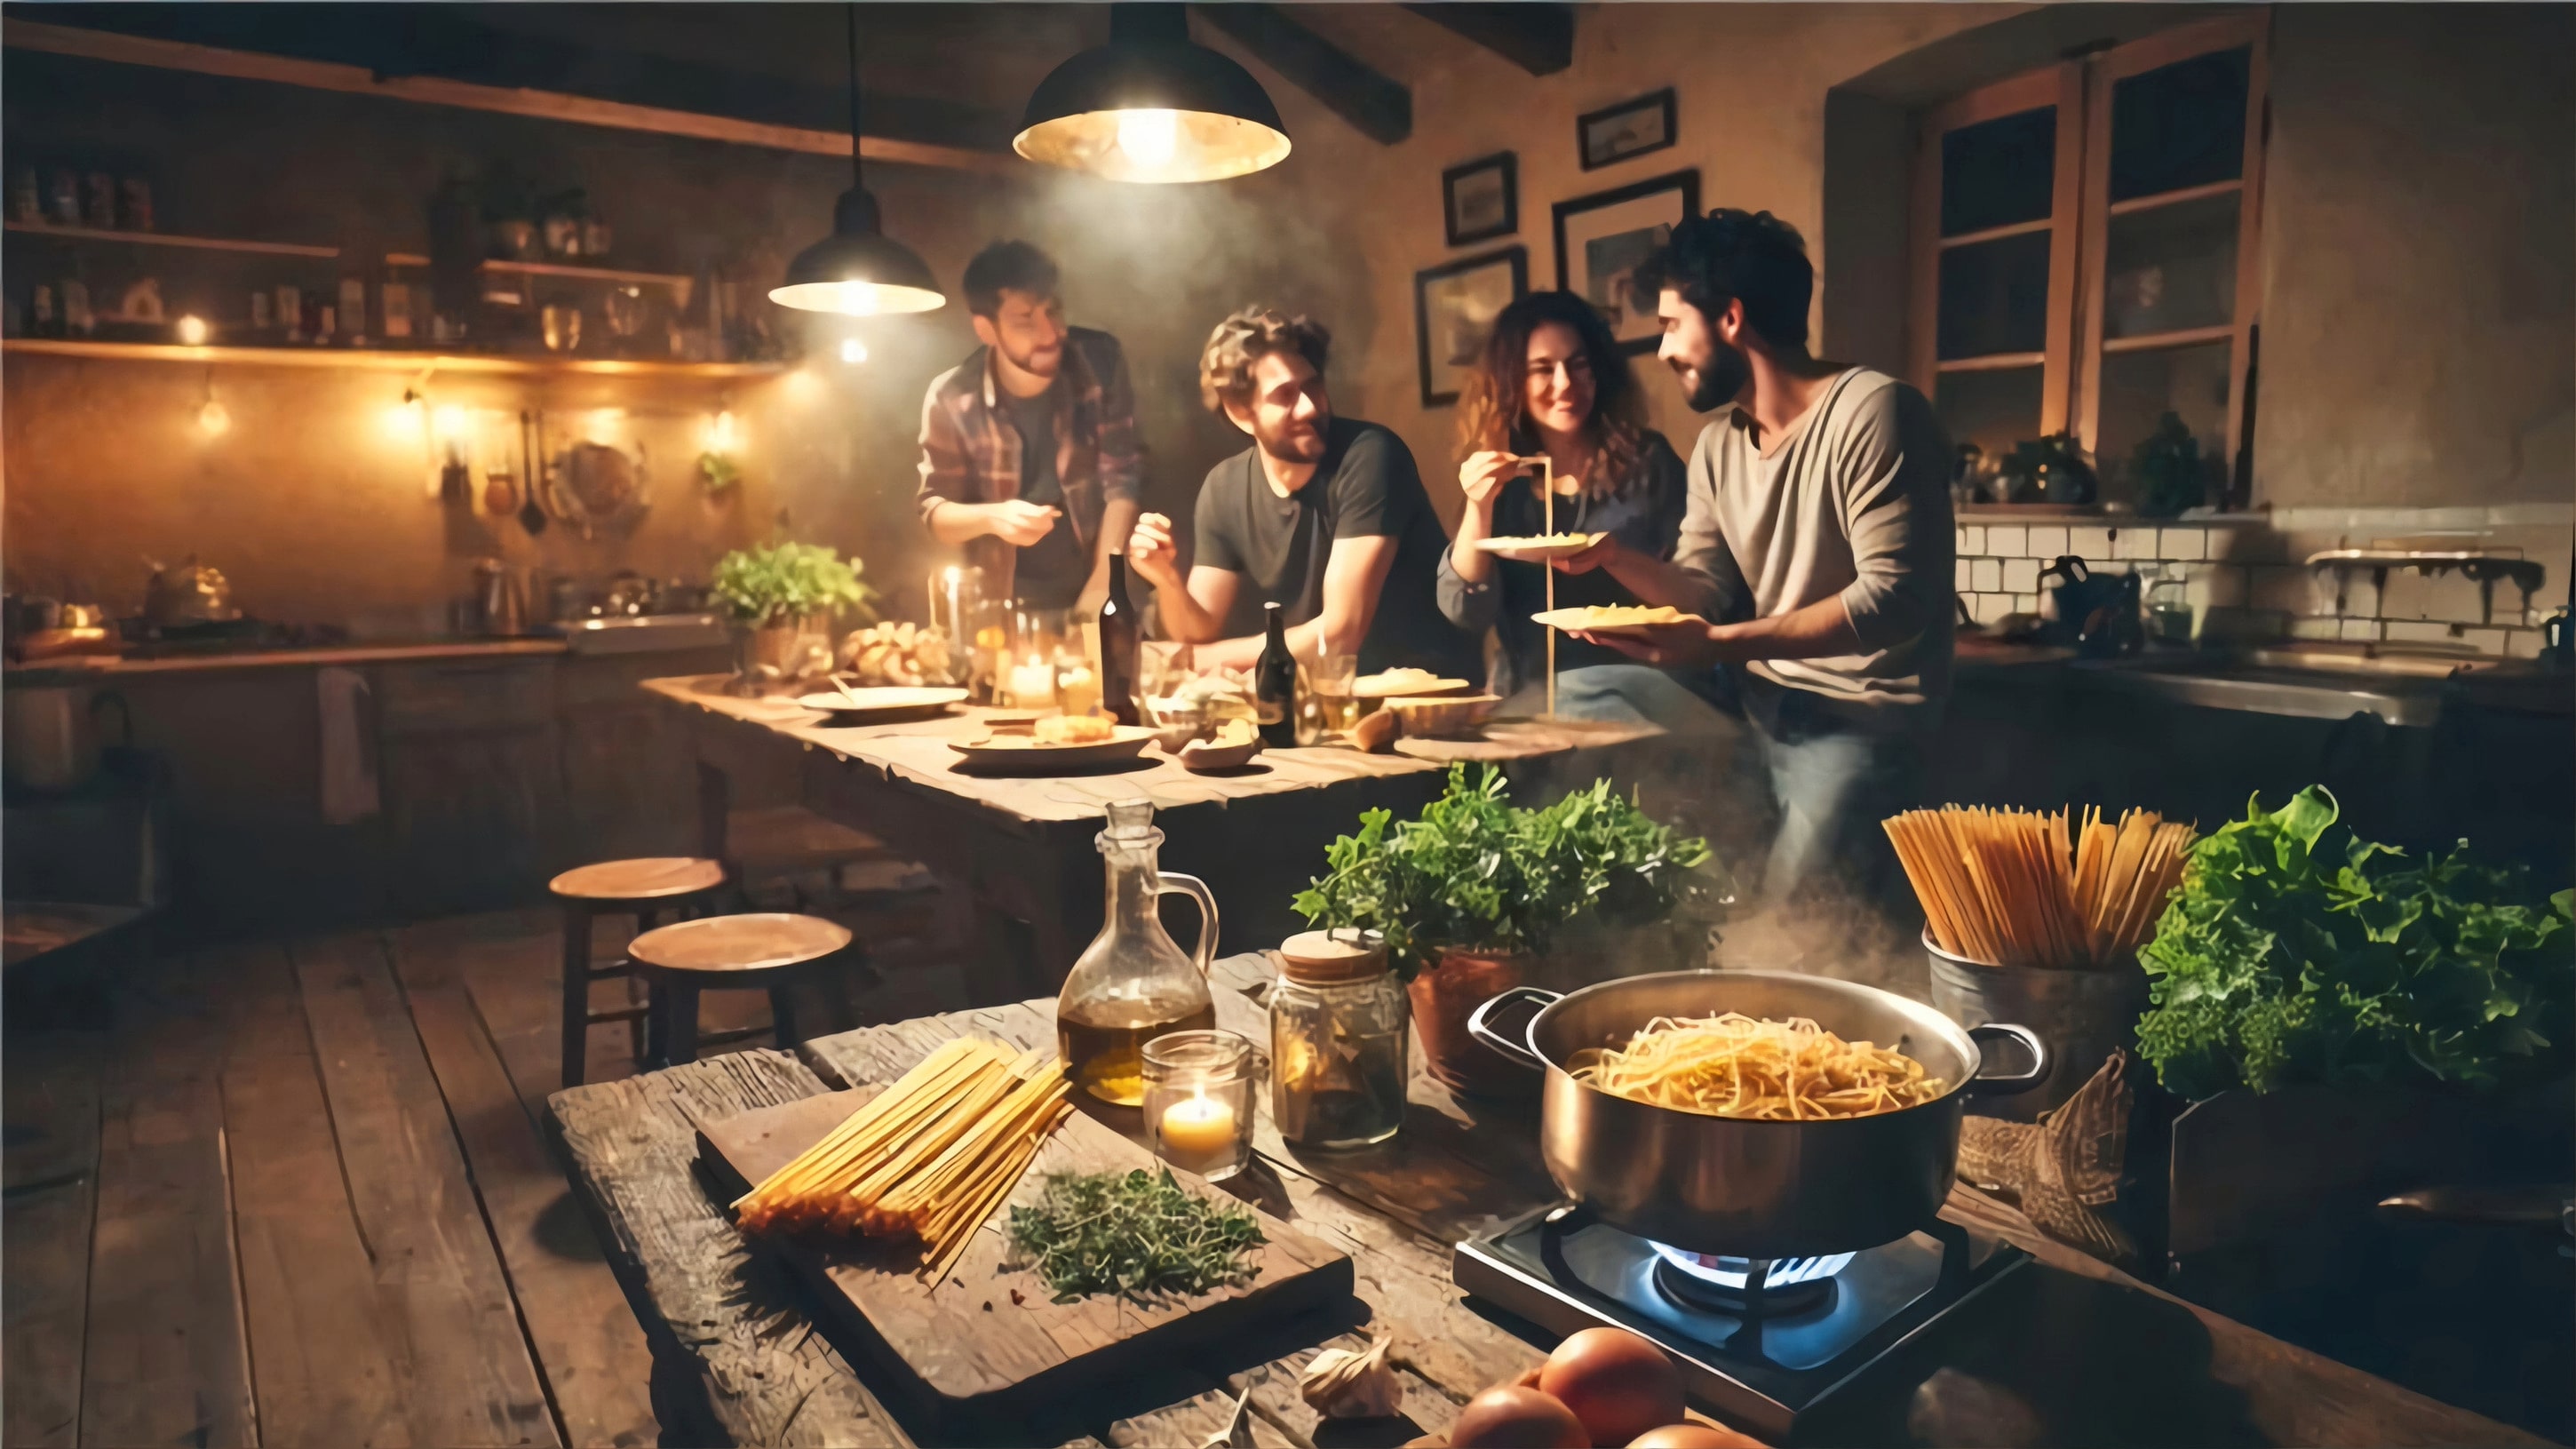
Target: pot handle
(2012, 1086)
(1520, 1053)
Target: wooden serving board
(963, 1344)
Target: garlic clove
(1342, 1383)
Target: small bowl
(1445, 717)
(1201, 758)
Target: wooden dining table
(1022, 845)
(2066, 1350)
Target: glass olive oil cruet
(1132, 984)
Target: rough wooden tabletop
(918, 751)
(2078, 1338)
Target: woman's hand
(1483, 475)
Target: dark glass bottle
(1274, 685)
(1118, 646)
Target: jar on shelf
(1337, 1041)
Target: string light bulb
(192, 331)
(722, 434)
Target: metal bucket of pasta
(1754, 1113)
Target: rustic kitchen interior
(1895, 770)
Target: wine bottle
(1118, 646)
(1274, 685)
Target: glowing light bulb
(213, 420)
(192, 331)
(401, 422)
(602, 424)
(722, 435)
(448, 422)
(853, 351)
(1150, 138)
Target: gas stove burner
(1709, 1280)
(1815, 1326)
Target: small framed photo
(1601, 238)
(1481, 199)
(1454, 307)
(1630, 128)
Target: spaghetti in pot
(1733, 1065)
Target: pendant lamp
(1151, 106)
(858, 271)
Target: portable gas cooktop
(1757, 1359)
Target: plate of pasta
(1614, 618)
(1541, 548)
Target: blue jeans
(1834, 777)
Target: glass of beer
(1332, 681)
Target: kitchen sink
(640, 633)
(2405, 689)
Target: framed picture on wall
(1454, 307)
(1481, 199)
(1630, 128)
(1601, 238)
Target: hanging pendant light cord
(858, 176)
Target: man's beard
(1028, 363)
(1720, 380)
(1295, 444)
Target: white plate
(1023, 755)
(1534, 550)
(881, 701)
(1582, 619)
(1403, 681)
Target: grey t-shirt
(1854, 502)
(1051, 571)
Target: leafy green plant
(1477, 872)
(2288, 957)
(1137, 1234)
(779, 582)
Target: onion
(1617, 1384)
(1692, 1436)
(1508, 1416)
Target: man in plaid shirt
(1028, 447)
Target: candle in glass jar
(1197, 1132)
(1033, 685)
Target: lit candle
(1033, 685)
(1198, 1133)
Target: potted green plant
(1469, 895)
(2333, 1016)
(782, 596)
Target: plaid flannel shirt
(970, 453)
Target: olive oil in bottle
(1132, 984)
(1107, 1058)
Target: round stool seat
(645, 878)
(738, 945)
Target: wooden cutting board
(967, 1346)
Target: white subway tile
(2047, 543)
(1972, 538)
(2134, 543)
(2244, 543)
(2006, 542)
(2216, 586)
(2182, 543)
(2365, 630)
(2021, 575)
(2419, 631)
(2523, 643)
(2025, 603)
(2485, 641)
(1987, 608)
(1986, 576)
(1959, 576)
(2310, 626)
(2089, 544)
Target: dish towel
(349, 791)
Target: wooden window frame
(2080, 211)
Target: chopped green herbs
(2289, 957)
(1136, 1234)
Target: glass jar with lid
(1337, 1041)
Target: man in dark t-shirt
(1324, 516)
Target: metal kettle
(188, 593)
(2096, 613)
(500, 605)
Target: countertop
(313, 657)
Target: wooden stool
(643, 888)
(768, 950)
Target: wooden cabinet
(473, 791)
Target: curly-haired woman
(1554, 382)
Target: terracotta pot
(1443, 995)
(786, 653)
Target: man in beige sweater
(1817, 538)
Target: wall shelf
(556, 269)
(381, 360)
(173, 239)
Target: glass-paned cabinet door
(1995, 205)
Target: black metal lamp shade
(858, 271)
(1151, 106)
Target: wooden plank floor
(299, 1194)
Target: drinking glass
(562, 328)
(1332, 682)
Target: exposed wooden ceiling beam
(467, 95)
(1378, 107)
(1539, 38)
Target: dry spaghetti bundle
(2005, 887)
(1733, 1065)
(930, 1158)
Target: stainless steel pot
(1754, 1189)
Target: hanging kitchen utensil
(612, 486)
(532, 514)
